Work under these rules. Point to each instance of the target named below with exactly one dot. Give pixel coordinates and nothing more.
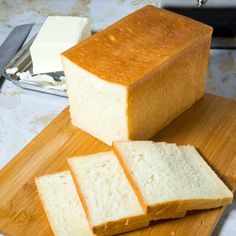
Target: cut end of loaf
(96, 106)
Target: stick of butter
(57, 34)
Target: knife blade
(12, 44)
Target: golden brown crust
(126, 229)
(165, 93)
(204, 203)
(137, 223)
(132, 47)
(172, 215)
(121, 225)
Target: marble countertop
(24, 113)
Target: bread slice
(166, 177)
(108, 199)
(62, 205)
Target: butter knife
(12, 45)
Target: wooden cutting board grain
(210, 125)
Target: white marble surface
(221, 79)
(25, 113)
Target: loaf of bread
(166, 177)
(133, 78)
(62, 205)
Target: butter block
(57, 34)
(133, 78)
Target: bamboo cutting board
(210, 125)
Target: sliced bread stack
(124, 189)
(167, 178)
